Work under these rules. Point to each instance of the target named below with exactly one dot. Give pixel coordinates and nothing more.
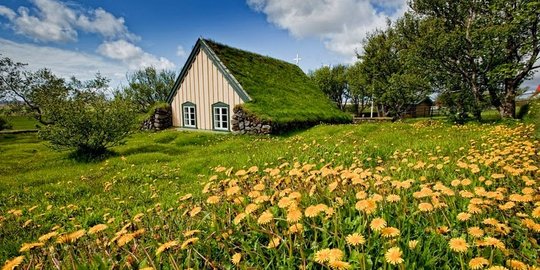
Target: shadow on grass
(85, 156)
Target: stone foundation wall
(161, 119)
(242, 123)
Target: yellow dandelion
(536, 212)
(425, 207)
(377, 224)
(265, 217)
(294, 214)
(97, 228)
(71, 237)
(124, 239)
(393, 256)
(515, 264)
(497, 267)
(30, 246)
(189, 241)
(236, 258)
(250, 208)
(195, 211)
(239, 218)
(443, 229)
(212, 199)
(259, 187)
(274, 242)
(393, 198)
(355, 239)
(296, 228)
(389, 232)
(186, 197)
(463, 216)
(335, 254)
(367, 206)
(458, 245)
(478, 263)
(9, 265)
(190, 233)
(166, 246)
(322, 256)
(311, 211)
(475, 232)
(47, 236)
(412, 244)
(493, 242)
(497, 176)
(339, 265)
(232, 190)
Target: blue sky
(80, 38)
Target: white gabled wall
(203, 85)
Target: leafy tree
(149, 86)
(391, 69)
(358, 88)
(89, 123)
(332, 81)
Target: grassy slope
(281, 91)
(175, 163)
(533, 116)
(22, 122)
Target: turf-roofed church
(226, 89)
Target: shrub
(533, 115)
(4, 124)
(89, 124)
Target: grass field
(22, 122)
(421, 195)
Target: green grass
(22, 122)
(159, 167)
(533, 115)
(281, 91)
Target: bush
(90, 125)
(4, 124)
(533, 115)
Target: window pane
(224, 118)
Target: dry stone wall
(160, 119)
(243, 123)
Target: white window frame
(189, 115)
(220, 117)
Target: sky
(114, 38)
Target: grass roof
(281, 92)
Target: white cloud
(132, 55)
(52, 20)
(64, 63)
(180, 52)
(341, 25)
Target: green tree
(333, 82)
(358, 87)
(149, 86)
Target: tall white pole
(371, 105)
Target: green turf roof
(279, 91)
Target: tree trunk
(508, 103)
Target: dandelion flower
(536, 212)
(47, 236)
(497, 267)
(463, 216)
(355, 239)
(97, 228)
(475, 232)
(29, 246)
(190, 233)
(186, 197)
(124, 239)
(389, 232)
(425, 207)
(213, 199)
(377, 224)
(322, 255)
(458, 245)
(166, 246)
(274, 242)
(265, 218)
(232, 190)
(250, 208)
(9, 265)
(478, 263)
(393, 256)
(296, 228)
(294, 214)
(239, 218)
(515, 264)
(339, 265)
(195, 211)
(311, 211)
(393, 198)
(71, 237)
(335, 254)
(412, 244)
(188, 242)
(236, 258)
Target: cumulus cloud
(132, 55)
(180, 52)
(341, 25)
(52, 20)
(64, 63)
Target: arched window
(220, 113)
(189, 115)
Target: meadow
(422, 195)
